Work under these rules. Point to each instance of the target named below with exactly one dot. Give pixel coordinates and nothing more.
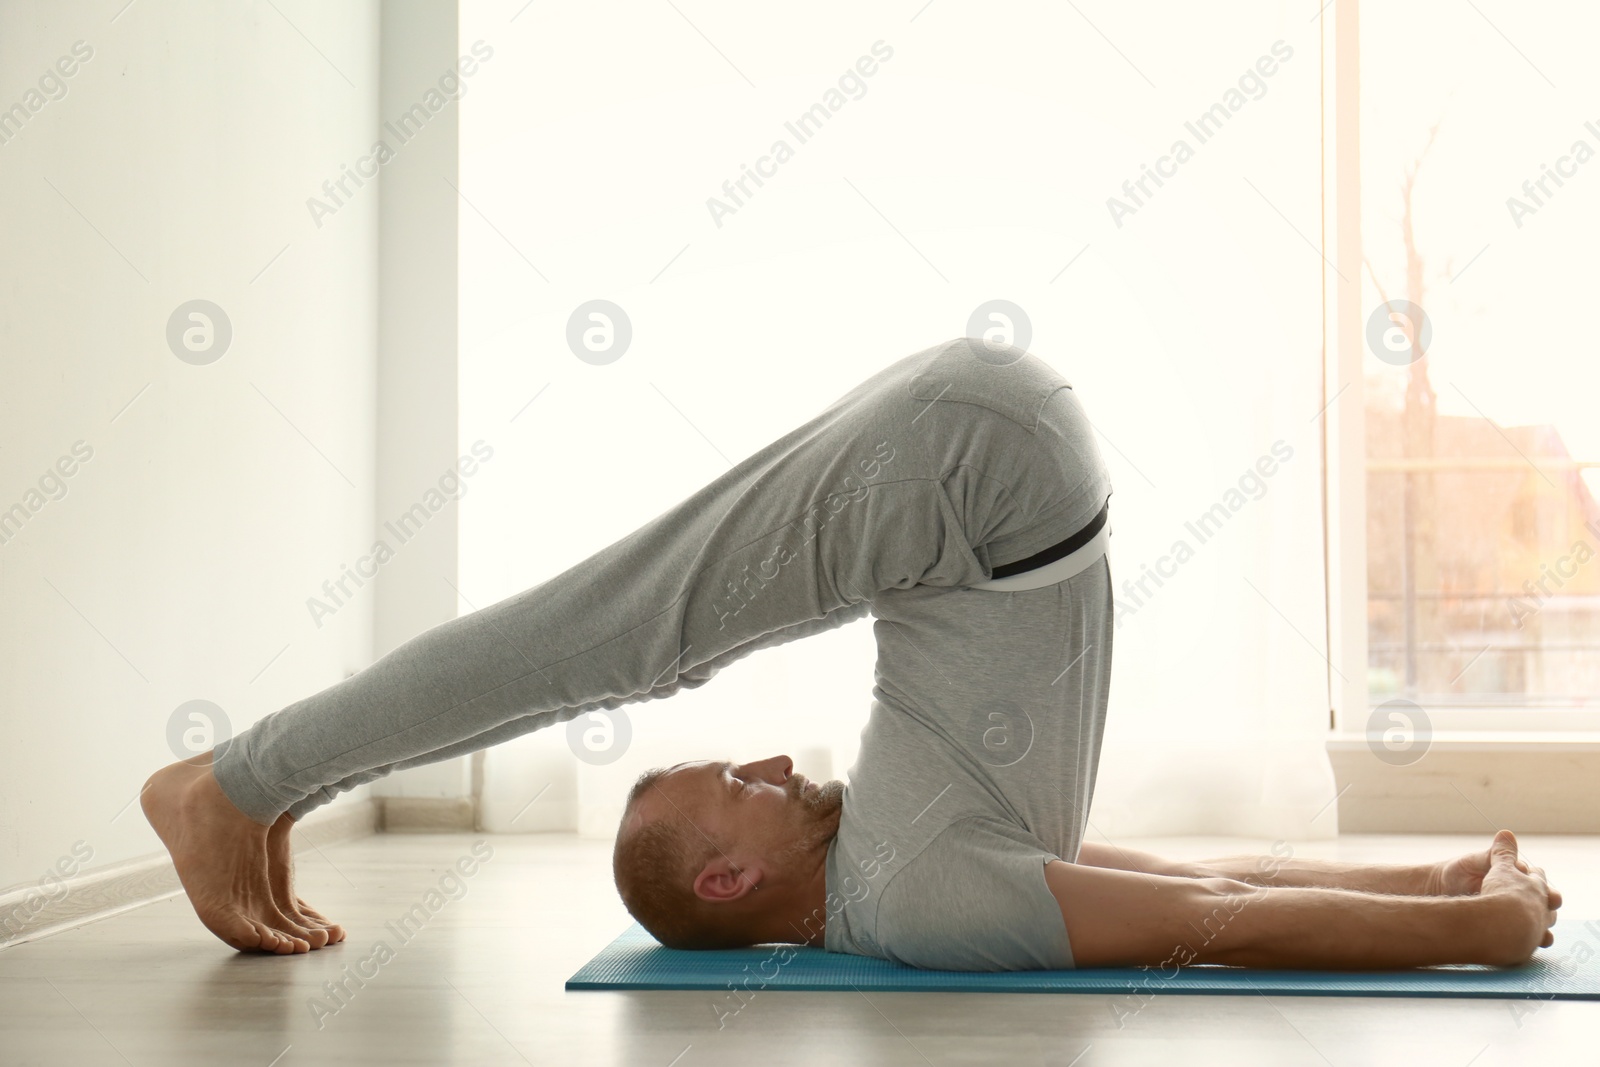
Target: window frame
(1344, 460)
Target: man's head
(714, 854)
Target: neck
(796, 913)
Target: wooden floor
(480, 982)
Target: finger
(1504, 847)
(1522, 865)
(1548, 940)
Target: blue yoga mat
(636, 961)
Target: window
(1480, 195)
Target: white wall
(177, 565)
(975, 163)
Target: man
(957, 493)
(716, 855)
(948, 468)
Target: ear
(719, 882)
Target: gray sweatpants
(931, 472)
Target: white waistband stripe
(1058, 571)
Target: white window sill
(1466, 780)
(1487, 741)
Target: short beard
(822, 810)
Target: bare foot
(280, 876)
(221, 857)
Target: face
(760, 815)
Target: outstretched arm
(1458, 877)
(1126, 918)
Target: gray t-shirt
(976, 768)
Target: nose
(775, 769)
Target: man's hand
(1464, 876)
(1529, 902)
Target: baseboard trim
(428, 815)
(31, 912)
(345, 822)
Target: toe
(267, 939)
(309, 912)
(278, 941)
(288, 945)
(334, 930)
(235, 930)
(313, 929)
(297, 935)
